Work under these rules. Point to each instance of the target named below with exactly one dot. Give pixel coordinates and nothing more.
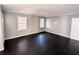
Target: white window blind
(22, 23)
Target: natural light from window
(42, 22)
(22, 23)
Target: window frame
(44, 22)
(25, 24)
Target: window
(22, 23)
(42, 22)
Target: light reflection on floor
(22, 46)
(40, 39)
(40, 42)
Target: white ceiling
(47, 10)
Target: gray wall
(11, 25)
(59, 25)
(1, 31)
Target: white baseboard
(35, 33)
(57, 34)
(13, 37)
(21, 35)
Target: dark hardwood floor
(43, 43)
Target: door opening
(75, 29)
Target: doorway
(1, 32)
(75, 29)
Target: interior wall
(11, 25)
(59, 25)
(1, 32)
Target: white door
(75, 29)
(1, 33)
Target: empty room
(39, 29)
